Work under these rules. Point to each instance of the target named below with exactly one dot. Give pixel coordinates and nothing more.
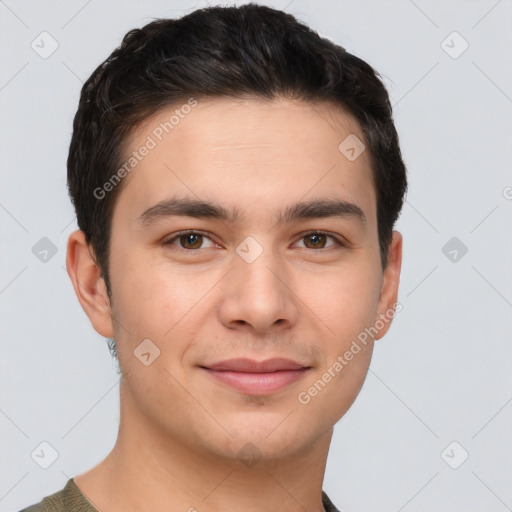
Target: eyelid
(338, 239)
(175, 236)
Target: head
(236, 114)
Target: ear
(389, 290)
(89, 286)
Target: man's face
(257, 287)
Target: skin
(180, 431)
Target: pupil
(315, 239)
(191, 239)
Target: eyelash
(338, 242)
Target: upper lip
(252, 366)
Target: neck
(151, 469)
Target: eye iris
(316, 237)
(191, 239)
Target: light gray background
(443, 372)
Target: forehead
(238, 151)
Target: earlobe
(390, 282)
(89, 286)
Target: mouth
(257, 377)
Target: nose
(258, 295)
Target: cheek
(347, 351)
(332, 391)
(135, 300)
(346, 303)
(154, 301)
(345, 299)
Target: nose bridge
(257, 269)
(257, 293)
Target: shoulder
(52, 503)
(68, 499)
(33, 508)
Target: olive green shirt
(71, 499)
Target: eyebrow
(314, 209)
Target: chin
(268, 438)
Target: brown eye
(189, 241)
(317, 240)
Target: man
(236, 180)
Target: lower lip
(257, 383)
